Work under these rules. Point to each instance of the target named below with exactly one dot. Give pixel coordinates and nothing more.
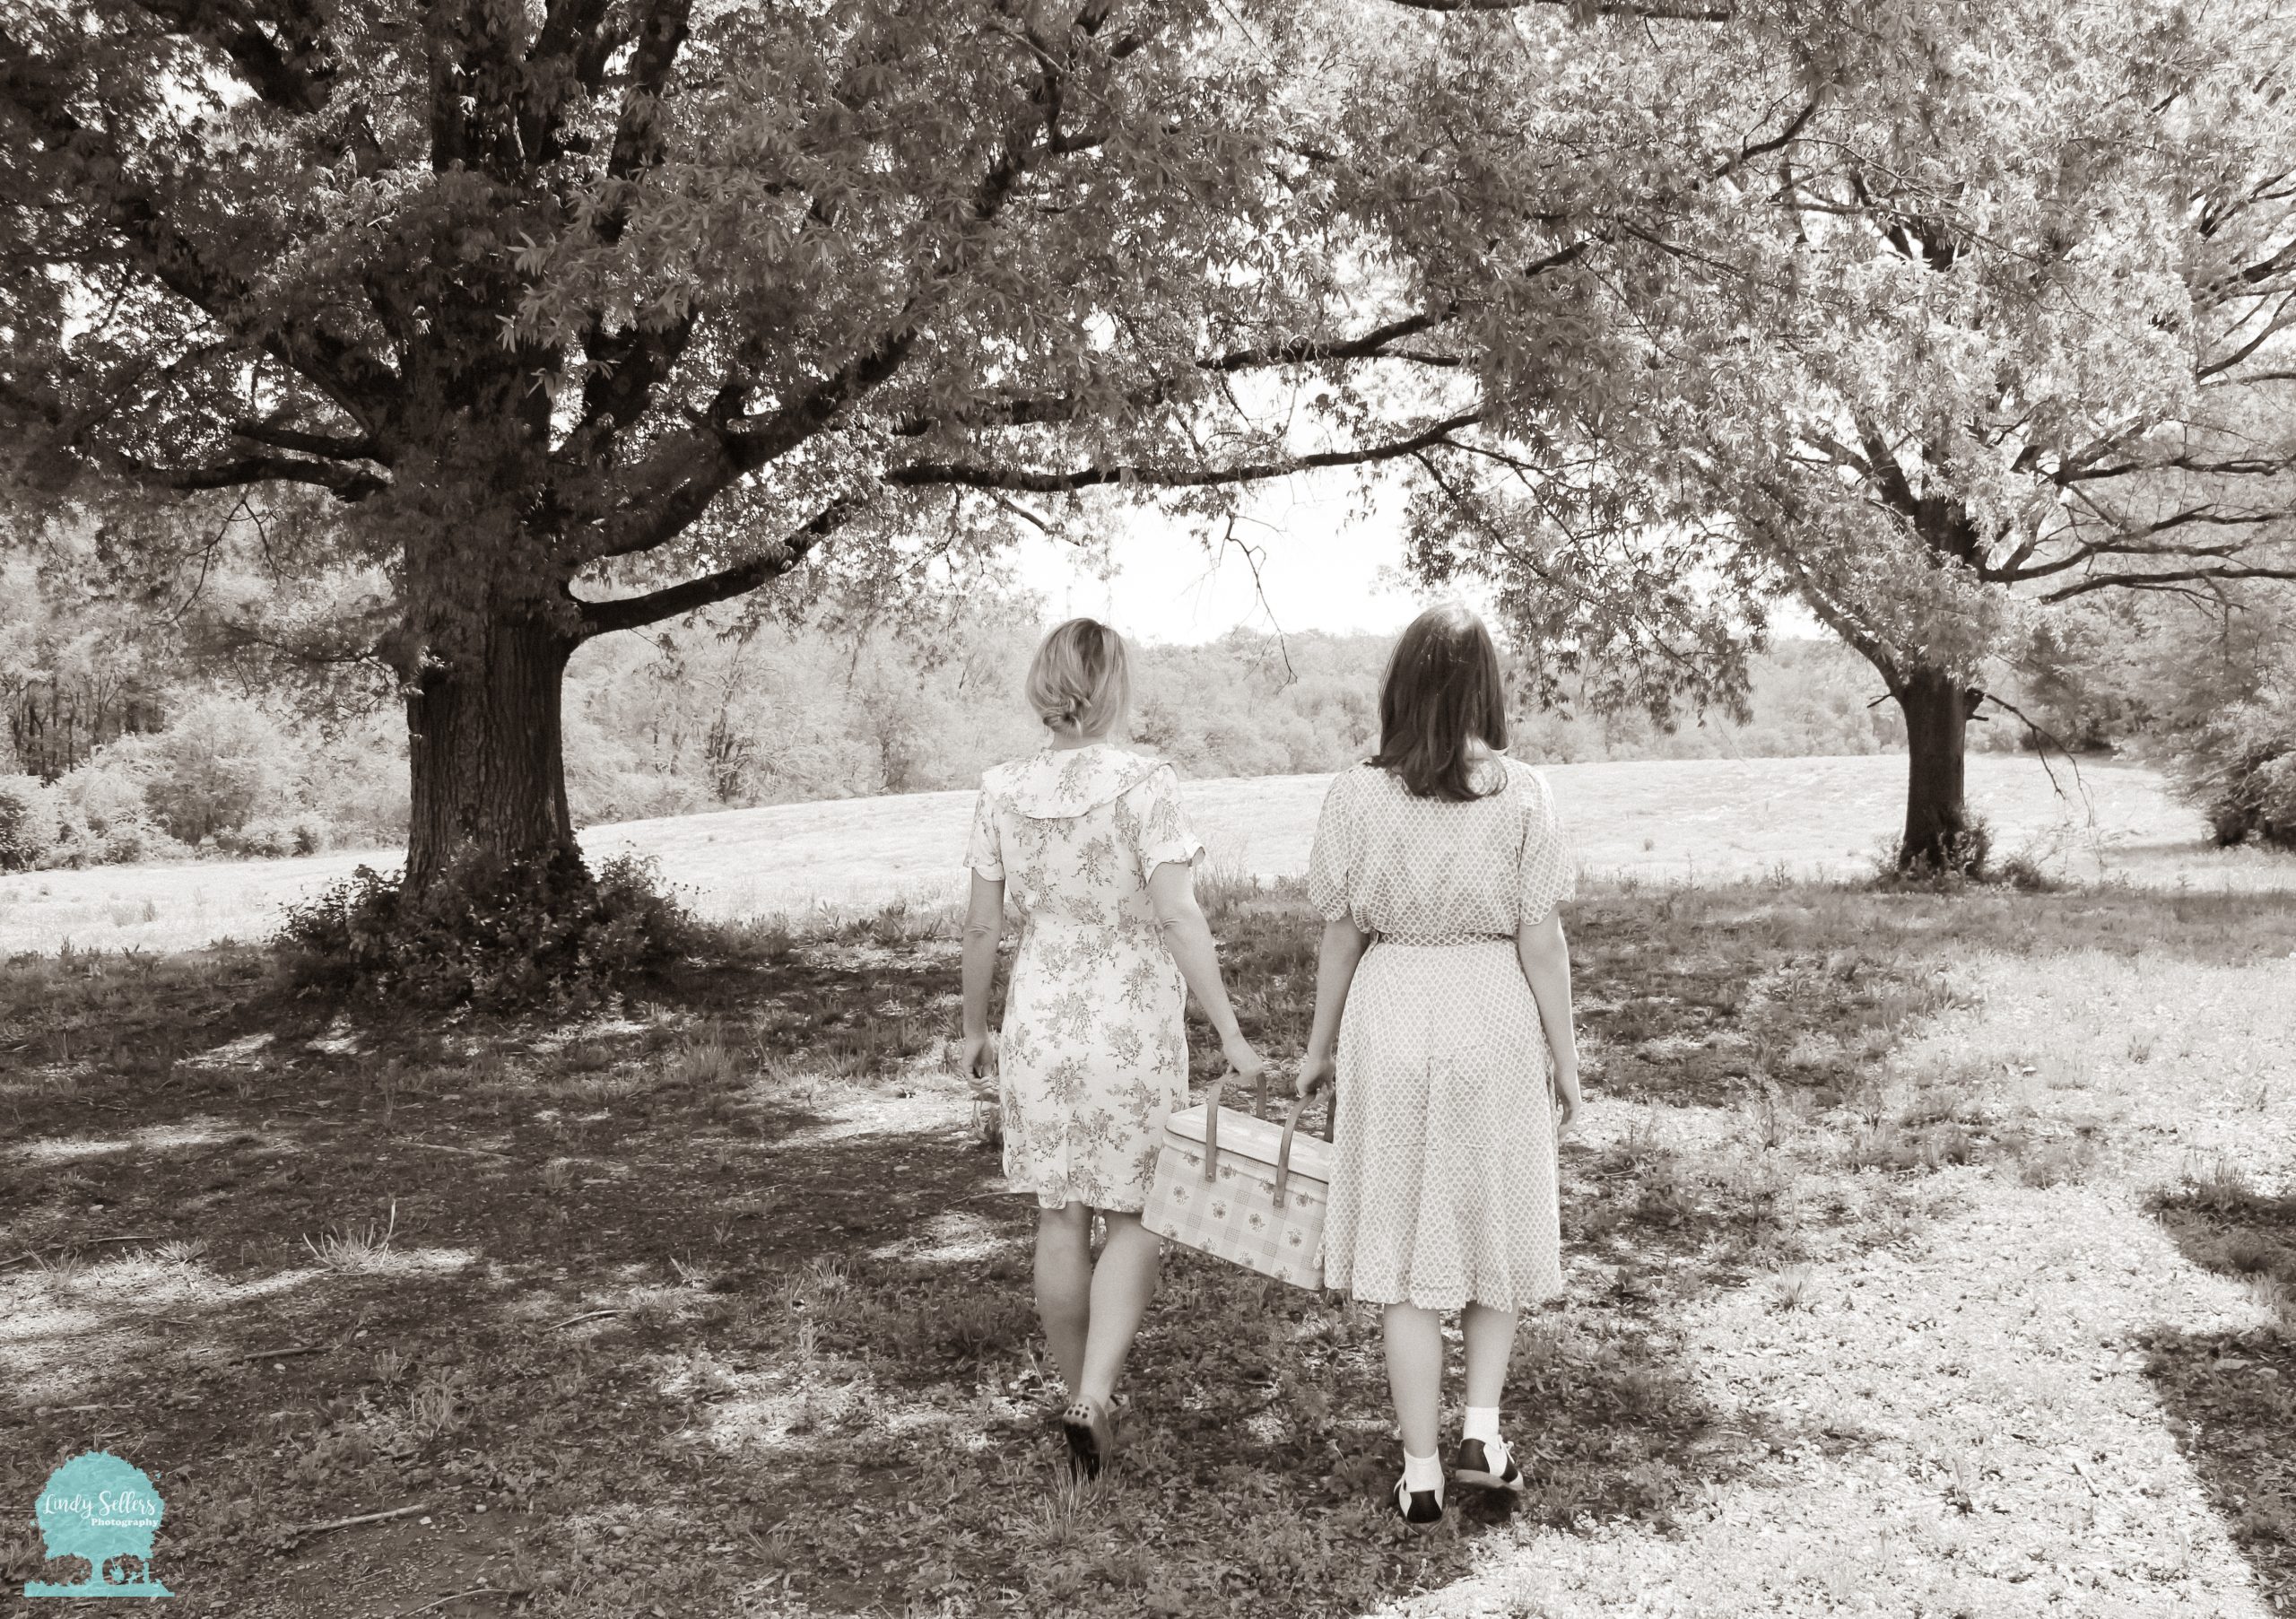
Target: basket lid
(1259, 1140)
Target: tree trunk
(487, 751)
(1938, 707)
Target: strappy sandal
(1471, 1465)
(1091, 1430)
(1421, 1509)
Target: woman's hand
(977, 1061)
(1317, 1070)
(1566, 1101)
(1248, 1064)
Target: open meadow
(1665, 822)
(1927, 1255)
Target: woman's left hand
(977, 1061)
(1245, 1063)
(1567, 1102)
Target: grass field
(1672, 822)
(1926, 1255)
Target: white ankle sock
(1482, 1422)
(1422, 1473)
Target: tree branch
(324, 445)
(1023, 481)
(1306, 351)
(349, 485)
(630, 611)
(2164, 581)
(281, 51)
(1688, 11)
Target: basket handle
(1212, 1119)
(1284, 1152)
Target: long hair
(1443, 692)
(1080, 681)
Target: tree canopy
(567, 316)
(2009, 328)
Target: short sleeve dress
(1093, 1052)
(1443, 1181)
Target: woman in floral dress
(1443, 1013)
(1092, 844)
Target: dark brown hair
(1443, 692)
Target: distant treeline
(698, 720)
(131, 738)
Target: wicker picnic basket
(1240, 1188)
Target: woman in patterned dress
(1093, 1052)
(1443, 1014)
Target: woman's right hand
(1566, 1102)
(977, 1061)
(1243, 1062)
(1317, 1070)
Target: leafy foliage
(2240, 769)
(1998, 323)
(491, 933)
(588, 315)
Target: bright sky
(1322, 566)
(1325, 562)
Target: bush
(488, 932)
(221, 762)
(272, 836)
(1967, 857)
(131, 838)
(27, 823)
(2239, 768)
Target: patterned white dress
(1443, 1187)
(1094, 1052)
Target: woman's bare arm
(1187, 939)
(1545, 956)
(1336, 959)
(983, 926)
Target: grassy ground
(1926, 1255)
(1668, 822)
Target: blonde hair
(1080, 681)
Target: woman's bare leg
(1490, 1342)
(1415, 1340)
(1064, 1286)
(1123, 1283)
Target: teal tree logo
(104, 1511)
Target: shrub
(2239, 768)
(221, 763)
(27, 823)
(272, 836)
(488, 932)
(130, 839)
(1967, 857)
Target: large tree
(2005, 327)
(580, 314)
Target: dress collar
(1057, 783)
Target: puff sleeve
(1331, 862)
(984, 853)
(1545, 876)
(1161, 833)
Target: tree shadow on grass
(709, 1296)
(725, 1270)
(2231, 1396)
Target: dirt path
(2022, 1412)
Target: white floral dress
(1094, 1052)
(1443, 1187)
